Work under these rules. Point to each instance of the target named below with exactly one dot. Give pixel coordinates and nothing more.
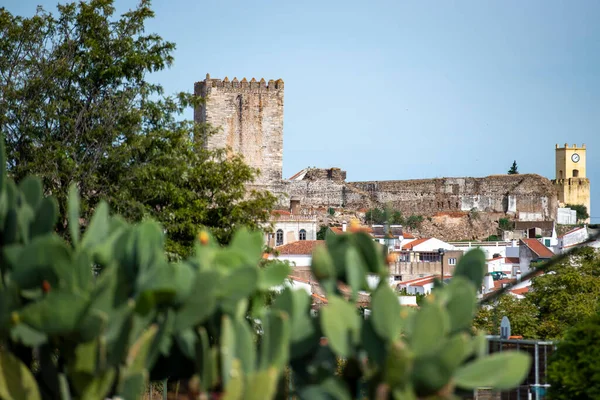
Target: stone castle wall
(250, 118)
(511, 194)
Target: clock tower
(571, 182)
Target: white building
(288, 228)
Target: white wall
(299, 260)
(291, 230)
(566, 216)
(433, 244)
(579, 236)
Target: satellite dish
(504, 328)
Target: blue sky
(403, 89)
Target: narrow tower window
(560, 174)
(575, 173)
(279, 239)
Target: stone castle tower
(250, 118)
(571, 180)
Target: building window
(575, 173)
(452, 261)
(560, 174)
(279, 239)
(302, 234)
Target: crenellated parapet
(244, 85)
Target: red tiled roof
(295, 278)
(500, 282)
(416, 242)
(571, 231)
(304, 247)
(520, 291)
(494, 259)
(421, 281)
(407, 235)
(511, 260)
(280, 212)
(538, 248)
(297, 174)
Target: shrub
(504, 224)
(580, 209)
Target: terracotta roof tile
(280, 212)
(500, 282)
(494, 259)
(407, 235)
(416, 242)
(512, 260)
(305, 247)
(520, 291)
(538, 248)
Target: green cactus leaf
(341, 325)
(244, 345)
(16, 381)
(429, 376)
(171, 283)
(186, 341)
(200, 303)
(227, 349)
(27, 336)
(25, 216)
(99, 386)
(262, 384)
(405, 393)
(296, 303)
(274, 351)
(149, 244)
(161, 339)
(385, 313)
(330, 389)
(323, 267)
(239, 284)
(430, 327)
(355, 272)
(374, 345)
(118, 333)
(234, 388)
(92, 324)
(73, 210)
(461, 305)
(45, 217)
(45, 258)
(132, 384)
(398, 364)
(98, 228)
(249, 244)
(372, 253)
(456, 350)
(86, 357)
(138, 352)
(480, 344)
(500, 371)
(31, 188)
(57, 313)
(206, 364)
(273, 274)
(472, 267)
(11, 228)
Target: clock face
(575, 157)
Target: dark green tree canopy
(76, 106)
(580, 209)
(574, 370)
(513, 169)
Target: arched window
(575, 173)
(302, 234)
(279, 238)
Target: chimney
(344, 225)
(294, 204)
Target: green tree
(414, 221)
(375, 216)
(322, 232)
(580, 209)
(76, 107)
(568, 293)
(514, 170)
(504, 224)
(574, 371)
(523, 316)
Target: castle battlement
(573, 147)
(252, 86)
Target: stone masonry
(250, 118)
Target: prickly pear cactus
(69, 333)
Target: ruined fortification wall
(250, 118)
(513, 194)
